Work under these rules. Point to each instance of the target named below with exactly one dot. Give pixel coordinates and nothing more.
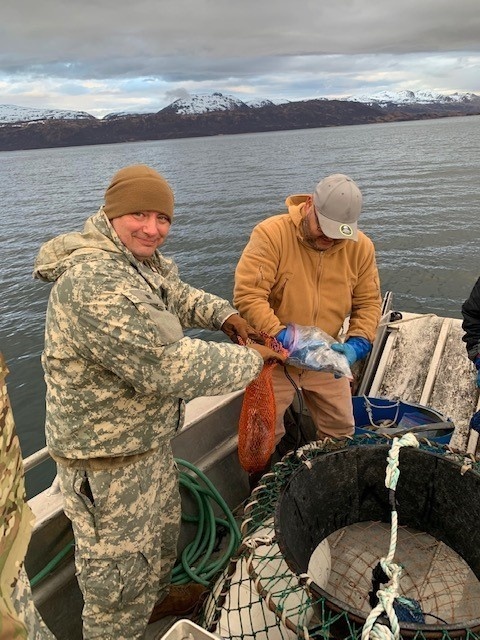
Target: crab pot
(347, 486)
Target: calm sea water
(421, 186)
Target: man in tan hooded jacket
(313, 267)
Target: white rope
(385, 423)
(392, 474)
(252, 542)
(371, 629)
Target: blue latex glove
(476, 362)
(354, 349)
(286, 336)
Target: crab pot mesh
(316, 528)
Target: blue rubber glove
(476, 362)
(354, 349)
(287, 336)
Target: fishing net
(266, 593)
(256, 426)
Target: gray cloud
(296, 49)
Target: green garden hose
(54, 562)
(198, 562)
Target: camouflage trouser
(33, 626)
(126, 523)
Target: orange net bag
(256, 427)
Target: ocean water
(421, 187)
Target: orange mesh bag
(256, 427)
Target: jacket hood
(98, 238)
(297, 200)
(295, 204)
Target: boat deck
(424, 361)
(418, 358)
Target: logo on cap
(346, 230)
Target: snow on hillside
(199, 103)
(205, 103)
(414, 97)
(261, 102)
(125, 114)
(12, 113)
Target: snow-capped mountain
(214, 102)
(12, 113)
(385, 98)
(218, 114)
(199, 103)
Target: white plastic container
(187, 630)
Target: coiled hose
(199, 561)
(201, 551)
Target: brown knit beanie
(138, 188)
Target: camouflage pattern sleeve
(133, 334)
(194, 307)
(18, 616)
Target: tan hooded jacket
(280, 279)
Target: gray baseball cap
(338, 203)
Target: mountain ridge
(219, 114)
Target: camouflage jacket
(16, 517)
(117, 365)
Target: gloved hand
(267, 354)
(354, 349)
(476, 362)
(309, 348)
(237, 327)
(286, 336)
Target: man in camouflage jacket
(118, 370)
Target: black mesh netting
(323, 523)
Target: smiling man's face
(142, 232)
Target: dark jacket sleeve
(471, 321)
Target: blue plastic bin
(379, 415)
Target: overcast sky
(104, 56)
